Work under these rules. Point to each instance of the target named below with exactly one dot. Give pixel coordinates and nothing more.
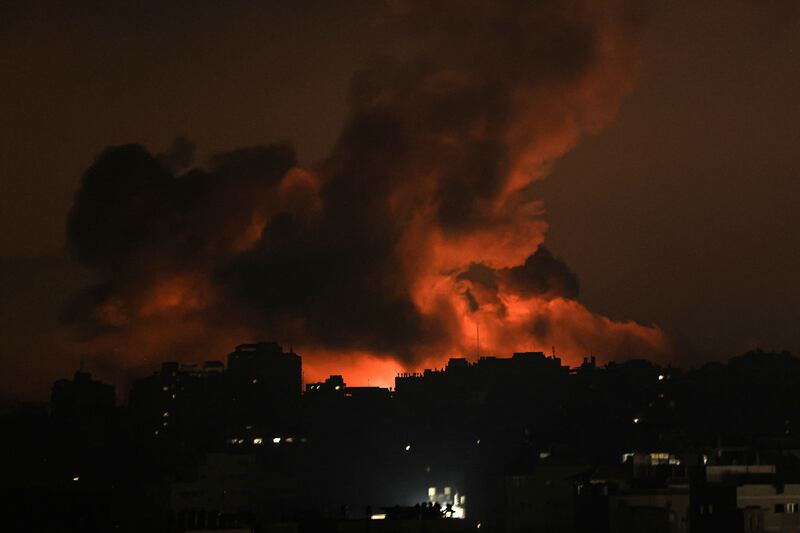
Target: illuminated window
(76, 478)
(408, 447)
(791, 508)
(258, 440)
(276, 440)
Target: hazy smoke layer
(421, 227)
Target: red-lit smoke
(420, 230)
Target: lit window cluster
(656, 458)
(260, 440)
(790, 507)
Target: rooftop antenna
(478, 339)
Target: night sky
(371, 182)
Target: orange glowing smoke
(419, 230)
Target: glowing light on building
(378, 516)
(276, 440)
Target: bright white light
(626, 456)
(255, 381)
(661, 377)
(258, 440)
(478, 441)
(379, 516)
(479, 525)
(635, 420)
(76, 478)
(337, 387)
(408, 447)
(276, 440)
(165, 414)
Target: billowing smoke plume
(420, 229)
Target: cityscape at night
(522, 443)
(400, 266)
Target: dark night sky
(682, 212)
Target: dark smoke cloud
(418, 226)
(543, 275)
